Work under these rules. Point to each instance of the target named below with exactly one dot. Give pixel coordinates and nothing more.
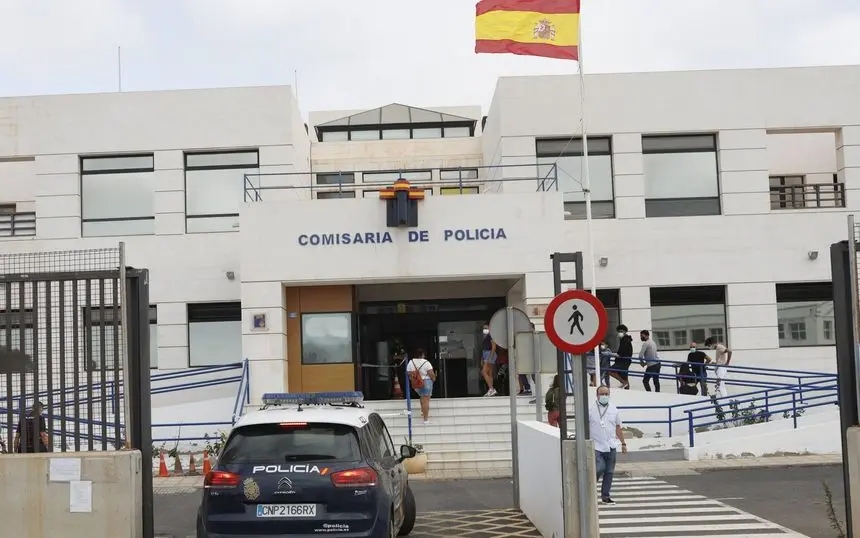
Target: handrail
(242, 393)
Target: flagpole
(587, 186)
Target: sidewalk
(189, 484)
(683, 467)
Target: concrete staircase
(465, 436)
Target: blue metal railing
(243, 393)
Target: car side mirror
(407, 451)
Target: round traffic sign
(575, 321)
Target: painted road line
(655, 508)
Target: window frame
(799, 294)
(713, 148)
(328, 195)
(411, 127)
(680, 296)
(598, 146)
(91, 317)
(203, 168)
(218, 311)
(352, 337)
(82, 172)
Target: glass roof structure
(395, 114)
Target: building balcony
(807, 196)
(17, 224)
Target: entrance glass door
(459, 344)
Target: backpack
(551, 400)
(415, 378)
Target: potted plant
(418, 464)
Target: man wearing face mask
(648, 359)
(697, 360)
(623, 357)
(605, 429)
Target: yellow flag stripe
(520, 26)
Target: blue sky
(363, 54)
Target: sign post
(505, 325)
(576, 322)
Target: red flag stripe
(526, 49)
(536, 6)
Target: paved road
(175, 513)
(788, 497)
(792, 497)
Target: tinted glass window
(274, 443)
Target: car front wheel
(409, 513)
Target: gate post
(846, 367)
(139, 435)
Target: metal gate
(71, 378)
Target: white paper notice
(81, 497)
(65, 469)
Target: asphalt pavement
(175, 514)
(790, 496)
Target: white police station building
(716, 195)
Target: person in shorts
(488, 360)
(421, 378)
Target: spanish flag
(548, 28)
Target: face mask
(486, 331)
(692, 350)
(602, 346)
(603, 399)
(620, 335)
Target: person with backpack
(421, 378)
(552, 400)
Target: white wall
(817, 434)
(540, 476)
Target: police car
(308, 465)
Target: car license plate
(286, 510)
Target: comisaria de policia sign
(412, 236)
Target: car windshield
(277, 443)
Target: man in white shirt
(722, 358)
(605, 428)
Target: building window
(16, 329)
(390, 176)
(117, 195)
(337, 178)
(105, 320)
(662, 339)
(448, 191)
(681, 175)
(328, 195)
(798, 331)
(566, 155)
(807, 309)
(611, 299)
(327, 338)
(679, 338)
(780, 329)
(335, 136)
(215, 188)
(699, 311)
(214, 333)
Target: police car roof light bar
(312, 398)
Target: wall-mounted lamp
(230, 275)
(603, 262)
(813, 254)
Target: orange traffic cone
(192, 468)
(397, 392)
(207, 467)
(162, 466)
(177, 466)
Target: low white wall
(816, 434)
(540, 476)
(182, 414)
